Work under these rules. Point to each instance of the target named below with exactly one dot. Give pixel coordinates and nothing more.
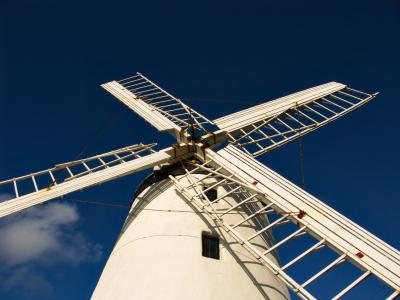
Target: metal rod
(127, 78)
(201, 179)
(227, 177)
(107, 164)
(313, 248)
(215, 185)
(237, 205)
(329, 267)
(318, 113)
(225, 195)
(159, 102)
(352, 96)
(102, 162)
(357, 91)
(52, 178)
(119, 158)
(168, 105)
(333, 103)
(139, 88)
(34, 183)
(320, 105)
(143, 93)
(288, 238)
(15, 188)
(343, 100)
(252, 140)
(140, 96)
(255, 127)
(175, 98)
(296, 120)
(351, 285)
(304, 294)
(147, 100)
(86, 166)
(266, 228)
(181, 108)
(307, 116)
(278, 135)
(136, 84)
(69, 171)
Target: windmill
(202, 225)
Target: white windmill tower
(200, 227)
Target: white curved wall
(158, 256)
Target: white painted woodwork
(260, 112)
(323, 221)
(158, 255)
(20, 203)
(144, 110)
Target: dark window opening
(210, 245)
(211, 194)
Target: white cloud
(35, 232)
(38, 239)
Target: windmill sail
(39, 187)
(158, 107)
(291, 205)
(231, 189)
(265, 127)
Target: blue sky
(221, 57)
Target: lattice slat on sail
(163, 102)
(320, 252)
(34, 182)
(270, 125)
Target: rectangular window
(210, 245)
